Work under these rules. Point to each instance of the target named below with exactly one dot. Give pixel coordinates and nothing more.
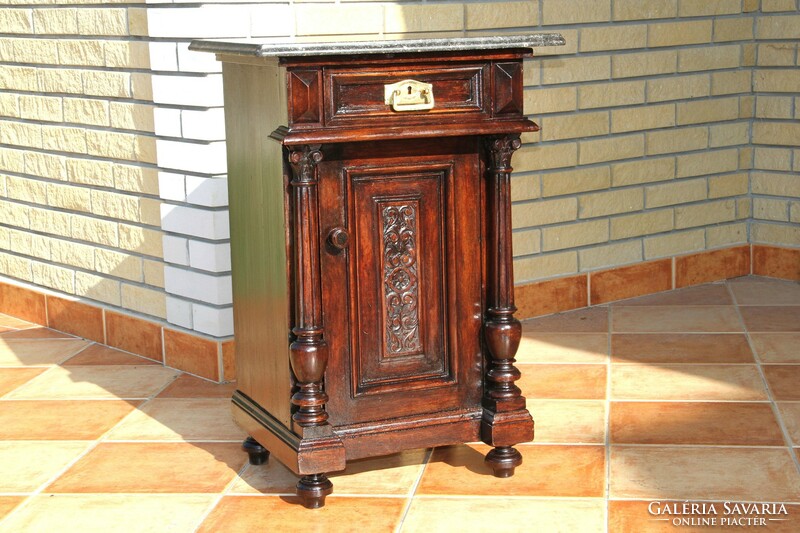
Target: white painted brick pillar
(190, 128)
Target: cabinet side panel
(255, 104)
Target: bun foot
(503, 460)
(313, 489)
(257, 453)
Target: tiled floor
(687, 396)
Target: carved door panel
(401, 300)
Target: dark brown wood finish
(397, 296)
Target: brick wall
(668, 127)
(79, 207)
(776, 130)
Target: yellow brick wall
(78, 185)
(645, 120)
(668, 127)
(775, 178)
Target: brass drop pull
(409, 95)
(338, 238)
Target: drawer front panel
(358, 95)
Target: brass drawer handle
(409, 95)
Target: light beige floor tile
(547, 470)
(710, 473)
(476, 515)
(12, 322)
(564, 381)
(16, 376)
(563, 348)
(36, 332)
(107, 381)
(61, 419)
(569, 421)
(25, 352)
(26, 465)
(153, 467)
(180, 419)
(131, 513)
(686, 382)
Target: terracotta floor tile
(153, 468)
(107, 381)
(720, 423)
(790, 414)
(180, 419)
(36, 332)
(131, 513)
(711, 294)
(784, 381)
(563, 348)
(569, 421)
(695, 473)
(771, 318)
(187, 386)
(390, 475)
(680, 348)
(26, 465)
(567, 381)
(777, 347)
(686, 382)
(546, 470)
(22, 352)
(762, 291)
(491, 515)
(11, 378)
(97, 354)
(589, 320)
(8, 503)
(268, 513)
(60, 419)
(708, 318)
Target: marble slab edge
(395, 46)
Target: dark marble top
(296, 47)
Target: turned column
(308, 353)
(505, 421)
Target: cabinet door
(402, 300)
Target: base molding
(602, 286)
(214, 359)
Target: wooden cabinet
(371, 247)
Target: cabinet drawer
(358, 95)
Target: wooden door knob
(338, 238)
